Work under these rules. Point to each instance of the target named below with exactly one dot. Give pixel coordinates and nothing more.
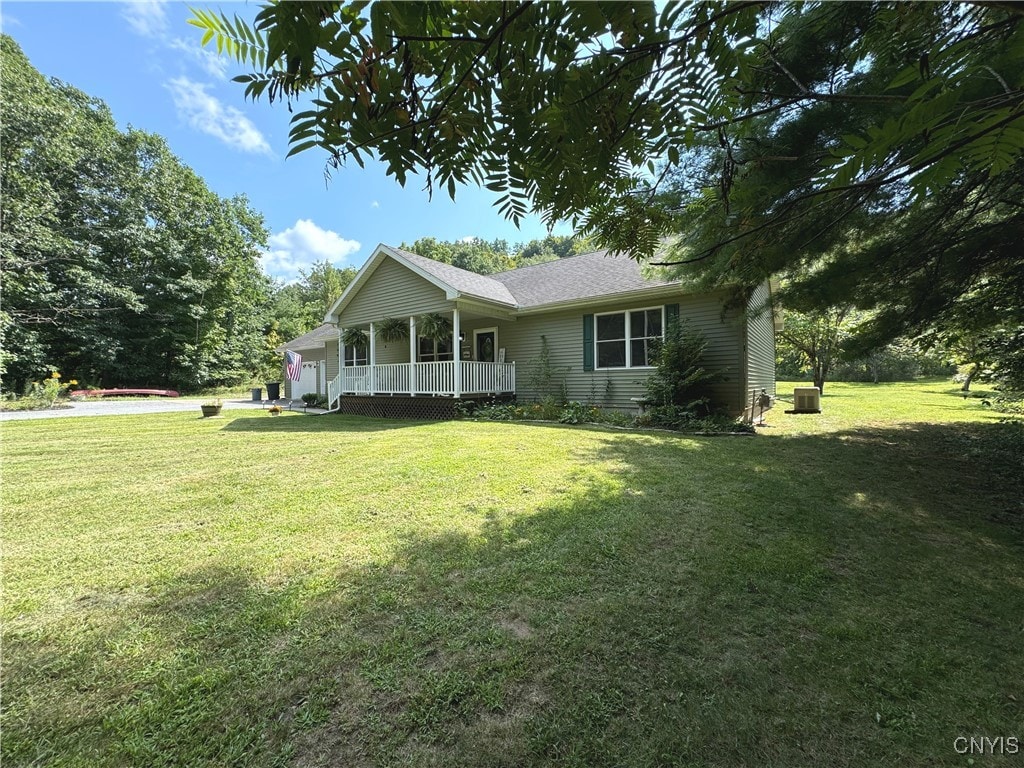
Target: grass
(844, 589)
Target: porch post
(412, 355)
(457, 353)
(341, 360)
(373, 361)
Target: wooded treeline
(120, 266)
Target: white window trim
(628, 339)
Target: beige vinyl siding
(614, 387)
(331, 360)
(393, 290)
(760, 343)
(392, 352)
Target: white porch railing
(355, 379)
(488, 378)
(437, 378)
(333, 390)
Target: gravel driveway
(126, 408)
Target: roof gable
(455, 282)
(462, 280)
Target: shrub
(546, 378)
(40, 395)
(548, 409)
(687, 420)
(310, 398)
(578, 413)
(679, 378)
(497, 412)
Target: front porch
(446, 378)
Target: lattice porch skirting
(406, 407)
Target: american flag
(293, 364)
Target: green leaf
(301, 147)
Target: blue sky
(145, 62)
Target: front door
(485, 342)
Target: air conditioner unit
(806, 400)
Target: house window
(432, 351)
(624, 339)
(355, 355)
(645, 326)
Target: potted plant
(211, 408)
(355, 337)
(435, 326)
(392, 329)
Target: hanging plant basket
(355, 337)
(434, 326)
(392, 329)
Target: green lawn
(839, 590)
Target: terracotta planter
(210, 410)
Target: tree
(119, 265)
(985, 339)
(680, 377)
(300, 307)
(872, 153)
(58, 162)
(558, 104)
(818, 337)
(474, 254)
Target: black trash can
(273, 390)
(257, 394)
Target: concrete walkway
(133, 407)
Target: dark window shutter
(588, 342)
(671, 314)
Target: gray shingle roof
(587, 276)
(312, 340)
(462, 280)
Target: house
(580, 327)
(312, 347)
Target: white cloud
(467, 239)
(8, 21)
(147, 17)
(209, 60)
(205, 113)
(299, 246)
(375, 204)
